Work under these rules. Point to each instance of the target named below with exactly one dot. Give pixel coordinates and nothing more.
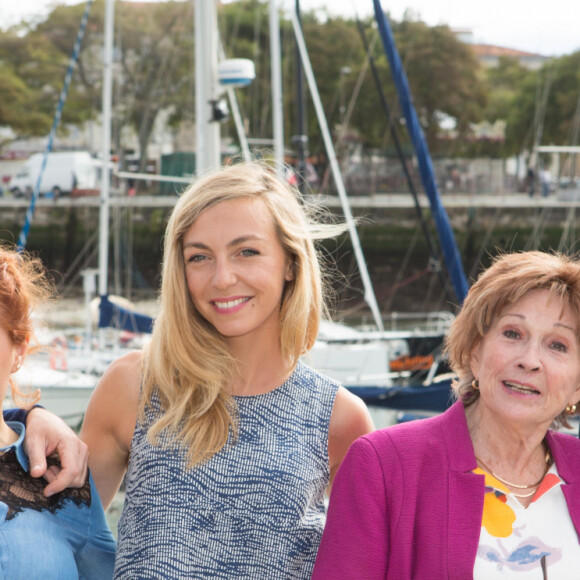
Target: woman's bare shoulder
(110, 422)
(130, 362)
(119, 387)
(125, 372)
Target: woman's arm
(355, 539)
(18, 415)
(350, 420)
(96, 559)
(109, 424)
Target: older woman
(487, 489)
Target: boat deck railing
(436, 322)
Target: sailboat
(433, 394)
(361, 360)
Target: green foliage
(503, 85)
(156, 61)
(16, 108)
(154, 73)
(444, 77)
(563, 99)
(442, 73)
(24, 94)
(33, 65)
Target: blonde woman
(227, 441)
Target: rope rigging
(397, 142)
(535, 238)
(55, 123)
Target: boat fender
(58, 354)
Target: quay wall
(405, 278)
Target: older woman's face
(528, 364)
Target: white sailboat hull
(65, 393)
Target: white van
(64, 173)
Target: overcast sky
(548, 28)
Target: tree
(154, 67)
(542, 105)
(563, 100)
(245, 34)
(337, 56)
(444, 76)
(38, 54)
(155, 57)
(443, 72)
(25, 85)
(154, 70)
(503, 84)
(17, 104)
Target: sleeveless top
(254, 510)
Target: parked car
(65, 173)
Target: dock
(376, 201)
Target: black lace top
(19, 491)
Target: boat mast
(301, 138)
(106, 151)
(446, 237)
(369, 294)
(277, 102)
(206, 66)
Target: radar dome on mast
(236, 72)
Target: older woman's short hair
(509, 278)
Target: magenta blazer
(405, 505)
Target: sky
(548, 28)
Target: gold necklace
(523, 495)
(548, 460)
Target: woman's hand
(47, 434)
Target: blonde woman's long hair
(187, 364)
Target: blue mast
(446, 237)
(22, 239)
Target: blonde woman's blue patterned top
(255, 510)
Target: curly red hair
(23, 285)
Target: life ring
(58, 354)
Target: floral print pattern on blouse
(517, 542)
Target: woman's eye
(511, 333)
(248, 252)
(195, 258)
(559, 346)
